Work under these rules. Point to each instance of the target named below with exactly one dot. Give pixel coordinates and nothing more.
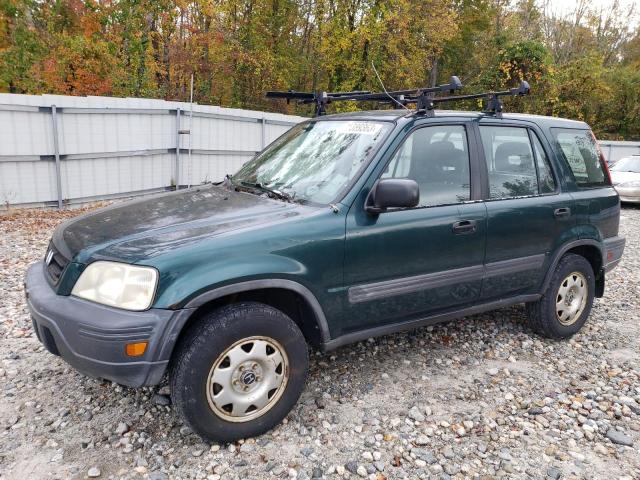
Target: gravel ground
(478, 398)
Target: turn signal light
(135, 349)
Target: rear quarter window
(580, 151)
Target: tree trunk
(433, 73)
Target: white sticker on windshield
(362, 128)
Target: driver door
(407, 263)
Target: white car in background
(625, 175)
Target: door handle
(562, 212)
(464, 226)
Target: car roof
(395, 114)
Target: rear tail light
(603, 162)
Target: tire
(558, 321)
(231, 350)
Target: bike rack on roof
(424, 98)
(493, 106)
(320, 99)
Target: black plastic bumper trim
(92, 337)
(613, 250)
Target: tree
(21, 47)
(583, 64)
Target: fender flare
(282, 283)
(564, 249)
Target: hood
(152, 226)
(622, 177)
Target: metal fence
(59, 150)
(615, 150)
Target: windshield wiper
(272, 191)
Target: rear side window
(579, 149)
(509, 156)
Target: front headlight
(118, 285)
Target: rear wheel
(565, 306)
(239, 372)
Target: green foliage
(620, 118)
(585, 66)
(21, 47)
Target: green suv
(347, 227)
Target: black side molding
(404, 285)
(416, 283)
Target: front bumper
(628, 194)
(92, 337)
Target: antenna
(400, 104)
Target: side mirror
(392, 193)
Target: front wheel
(239, 372)
(565, 306)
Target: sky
(566, 6)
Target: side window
(437, 158)
(579, 149)
(545, 177)
(509, 157)
(401, 163)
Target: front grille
(55, 263)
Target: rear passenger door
(528, 216)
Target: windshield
(628, 164)
(314, 161)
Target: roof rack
(320, 99)
(401, 98)
(493, 106)
(397, 98)
(424, 98)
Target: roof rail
(424, 98)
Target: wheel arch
(591, 250)
(291, 297)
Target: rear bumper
(613, 249)
(92, 337)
